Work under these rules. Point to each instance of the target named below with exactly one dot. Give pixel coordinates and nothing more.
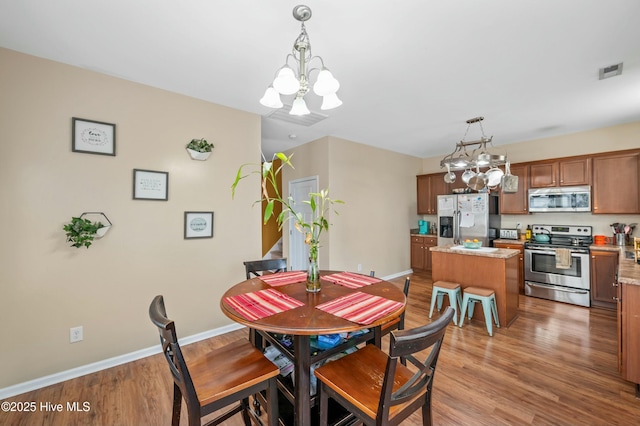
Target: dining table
(277, 305)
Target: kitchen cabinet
(565, 172)
(518, 202)
(604, 267)
(429, 187)
(519, 247)
(420, 253)
(629, 333)
(616, 186)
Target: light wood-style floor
(555, 365)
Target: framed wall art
(150, 185)
(198, 225)
(93, 137)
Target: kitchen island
(486, 267)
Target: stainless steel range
(559, 269)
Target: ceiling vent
(610, 71)
(308, 120)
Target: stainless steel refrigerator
(467, 216)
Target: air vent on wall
(303, 120)
(610, 71)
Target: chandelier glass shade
(293, 77)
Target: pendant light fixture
(293, 76)
(479, 158)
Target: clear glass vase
(313, 273)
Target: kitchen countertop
(496, 252)
(415, 234)
(628, 269)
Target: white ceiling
(411, 72)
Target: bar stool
(487, 297)
(453, 291)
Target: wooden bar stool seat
(222, 378)
(473, 295)
(378, 389)
(452, 290)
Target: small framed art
(150, 185)
(198, 225)
(93, 137)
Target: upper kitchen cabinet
(566, 172)
(517, 202)
(616, 186)
(429, 187)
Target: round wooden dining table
(307, 320)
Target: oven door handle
(555, 287)
(553, 253)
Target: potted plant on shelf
(319, 202)
(199, 149)
(81, 232)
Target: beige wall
(379, 191)
(47, 286)
(615, 138)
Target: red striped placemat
(360, 307)
(351, 280)
(284, 278)
(261, 304)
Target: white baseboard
(62, 376)
(398, 275)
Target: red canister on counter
(602, 239)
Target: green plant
(320, 202)
(200, 145)
(81, 231)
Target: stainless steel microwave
(560, 199)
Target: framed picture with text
(198, 225)
(93, 137)
(150, 185)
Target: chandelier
(290, 80)
(471, 162)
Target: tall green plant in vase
(319, 202)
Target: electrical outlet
(75, 334)
(359, 267)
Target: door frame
(298, 251)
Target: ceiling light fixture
(289, 81)
(480, 157)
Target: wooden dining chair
(216, 380)
(258, 267)
(378, 389)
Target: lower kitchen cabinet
(520, 247)
(629, 333)
(420, 254)
(604, 266)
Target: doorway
(299, 190)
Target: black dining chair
(218, 379)
(398, 324)
(378, 389)
(259, 267)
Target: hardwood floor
(555, 365)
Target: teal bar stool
(473, 295)
(440, 288)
